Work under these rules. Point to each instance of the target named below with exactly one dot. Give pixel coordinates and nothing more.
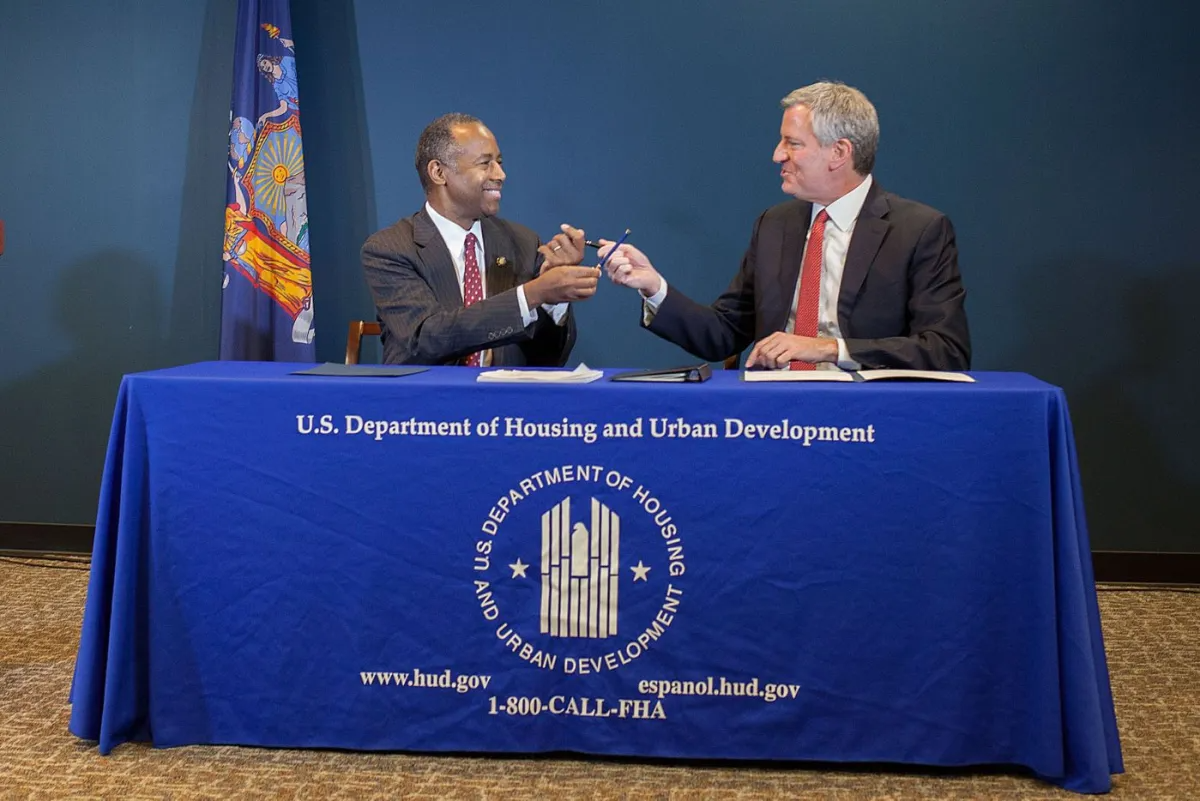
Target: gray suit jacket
(420, 305)
(900, 305)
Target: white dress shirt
(455, 237)
(843, 216)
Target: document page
(580, 375)
(796, 375)
(914, 375)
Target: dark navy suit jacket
(901, 301)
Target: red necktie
(808, 305)
(472, 284)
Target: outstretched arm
(275, 112)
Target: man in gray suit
(455, 284)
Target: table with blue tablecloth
(879, 572)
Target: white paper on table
(580, 375)
(796, 375)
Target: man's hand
(564, 248)
(562, 285)
(777, 350)
(630, 267)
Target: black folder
(690, 374)
(360, 370)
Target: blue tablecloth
(840, 572)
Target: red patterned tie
(472, 285)
(808, 306)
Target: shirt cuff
(650, 304)
(844, 361)
(528, 317)
(557, 312)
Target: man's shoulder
(903, 209)
(397, 236)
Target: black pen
(592, 244)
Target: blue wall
(1055, 134)
(112, 134)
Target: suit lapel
(436, 257)
(869, 231)
(500, 257)
(790, 259)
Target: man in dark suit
(845, 275)
(455, 284)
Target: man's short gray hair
(841, 112)
(437, 144)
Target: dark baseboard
(1146, 567)
(46, 537)
(1121, 567)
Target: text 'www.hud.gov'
(431, 679)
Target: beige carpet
(1154, 656)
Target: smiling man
(845, 275)
(454, 283)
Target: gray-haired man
(846, 274)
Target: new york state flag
(266, 300)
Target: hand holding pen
(624, 264)
(628, 266)
(563, 249)
(607, 253)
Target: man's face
(803, 163)
(474, 180)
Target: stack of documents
(580, 375)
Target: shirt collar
(452, 233)
(844, 211)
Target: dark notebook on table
(360, 370)
(691, 374)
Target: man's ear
(843, 152)
(436, 172)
